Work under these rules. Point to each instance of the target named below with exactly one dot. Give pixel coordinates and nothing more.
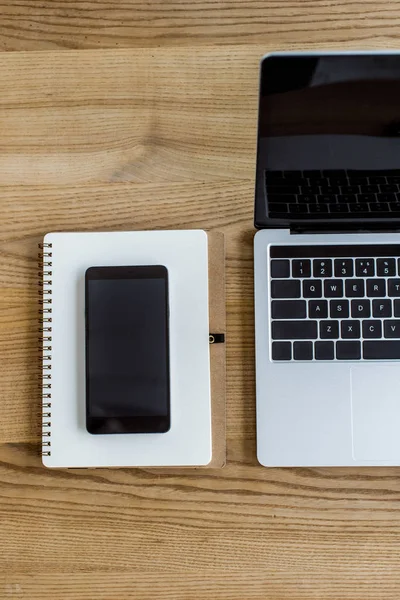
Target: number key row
(364, 267)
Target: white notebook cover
(188, 442)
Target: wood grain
(163, 138)
(50, 24)
(115, 116)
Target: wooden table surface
(127, 114)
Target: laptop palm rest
(375, 403)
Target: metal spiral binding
(45, 340)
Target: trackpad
(375, 398)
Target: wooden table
(151, 122)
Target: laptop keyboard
(335, 302)
(340, 193)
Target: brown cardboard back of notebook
(217, 318)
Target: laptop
(327, 260)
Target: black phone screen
(127, 350)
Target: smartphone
(127, 350)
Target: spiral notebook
(195, 261)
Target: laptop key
(381, 350)
(396, 309)
(326, 198)
(278, 201)
(338, 208)
(386, 267)
(281, 351)
(354, 288)
(289, 309)
(318, 208)
(294, 330)
(386, 197)
(329, 189)
(343, 267)
(391, 329)
(347, 198)
(368, 188)
(274, 208)
(348, 350)
(393, 287)
(289, 288)
(329, 330)
(350, 329)
(324, 350)
(282, 189)
(307, 198)
(301, 268)
(317, 309)
(376, 180)
(376, 288)
(302, 350)
(298, 208)
(280, 268)
(333, 288)
(312, 288)
(366, 198)
(350, 189)
(360, 309)
(372, 328)
(319, 181)
(379, 207)
(322, 268)
(339, 181)
(339, 309)
(381, 308)
(389, 188)
(365, 267)
(293, 175)
(360, 207)
(361, 181)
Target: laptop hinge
(304, 228)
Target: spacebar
(381, 350)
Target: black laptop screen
(328, 139)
